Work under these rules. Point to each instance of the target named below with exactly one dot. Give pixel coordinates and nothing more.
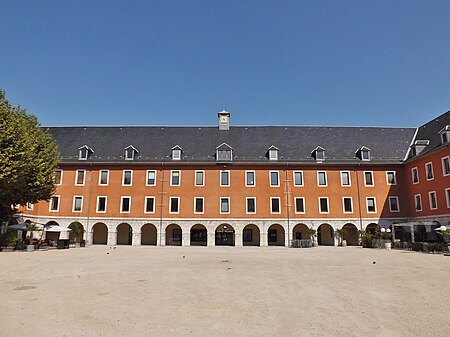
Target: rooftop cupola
(224, 120)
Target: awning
(23, 226)
(57, 229)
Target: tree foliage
(28, 158)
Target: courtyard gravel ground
(224, 291)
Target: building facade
(255, 186)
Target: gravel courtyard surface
(224, 291)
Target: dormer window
(224, 152)
(363, 153)
(273, 153)
(318, 154)
(176, 152)
(418, 146)
(84, 152)
(130, 152)
(445, 134)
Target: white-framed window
(224, 205)
(299, 205)
(275, 205)
(129, 153)
(298, 178)
(80, 177)
(176, 153)
(394, 205)
(151, 178)
(250, 179)
(83, 153)
(371, 205)
(429, 171)
(318, 154)
(102, 202)
(273, 153)
(199, 205)
(445, 166)
(433, 200)
(103, 178)
(418, 202)
(174, 205)
(447, 196)
(345, 178)
(125, 204)
(127, 178)
(415, 175)
(250, 205)
(58, 177)
(368, 178)
(77, 203)
(323, 205)
(224, 178)
(149, 205)
(274, 178)
(347, 204)
(365, 154)
(321, 178)
(54, 203)
(175, 178)
(391, 178)
(29, 206)
(199, 178)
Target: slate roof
(430, 132)
(250, 144)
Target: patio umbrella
(23, 226)
(57, 228)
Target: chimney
(224, 120)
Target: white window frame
(351, 205)
(368, 155)
(121, 204)
(98, 202)
(100, 178)
(447, 196)
(229, 178)
(220, 205)
(171, 177)
(29, 206)
(50, 203)
(443, 165)
(279, 204)
(273, 154)
(73, 203)
(426, 171)
(131, 178)
(365, 180)
(127, 151)
(395, 178)
(303, 178)
(374, 204)
(254, 179)
(176, 154)
(412, 175)
(435, 199)
(278, 178)
(398, 204)
(146, 178)
(170, 205)
(349, 179)
(203, 178)
(145, 204)
(246, 205)
(318, 179)
(295, 205)
(322, 157)
(81, 151)
(328, 205)
(415, 203)
(61, 179)
(203, 205)
(76, 177)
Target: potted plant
(340, 232)
(445, 233)
(30, 228)
(312, 235)
(386, 235)
(77, 230)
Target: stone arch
(73, 236)
(52, 236)
(300, 232)
(124, 234)
(199, 235)
(149, 234)
(225, 235)
(275, 235)
(351, 234)
(99, 234)
(325, 235)
(372, 228)
(251, 235)
(173, 235)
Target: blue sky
(374, 63)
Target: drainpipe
(359, 198)
(89, 202)
(288, 200)
(161, 204)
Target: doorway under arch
(325, 235)
(148, 235)
(99, 234)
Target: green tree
(28, 159)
